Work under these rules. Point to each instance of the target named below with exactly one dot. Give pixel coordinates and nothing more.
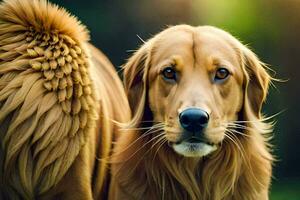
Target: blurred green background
(270, 27)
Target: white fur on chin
(194, 149)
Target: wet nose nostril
(204, 118)
(185, 120)
(193, 119)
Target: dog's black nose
(193, 119)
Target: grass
(286, 190)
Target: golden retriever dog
(196, 95)
(59, 96)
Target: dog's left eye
(169, 74)
(221, 74)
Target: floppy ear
(135, 80)
(256, 84)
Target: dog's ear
(256, 82)
(135, 81)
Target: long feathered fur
(48, 101)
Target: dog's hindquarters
(49, 106)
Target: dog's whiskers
(158, 125)
(162, 141)
(171, 130)
(234, 127)
(160, 136)
(147, 133)
(232, 137)
(239, 133)
(145, 144)
(261, 120)
(233, 140)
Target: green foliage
(286, 190)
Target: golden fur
(54, 86)
(145, 166)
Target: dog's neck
(153, 172)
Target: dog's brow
(178, 61)
(215, 62)
(219, 61)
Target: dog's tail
(47, 100)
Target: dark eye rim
(172, 79)
(217, 79)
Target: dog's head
(197, 82)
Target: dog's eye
(169, 74)
(221, 74)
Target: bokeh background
(270, 27)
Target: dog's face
(195, 88)
(195, 83)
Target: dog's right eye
(169, 74)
